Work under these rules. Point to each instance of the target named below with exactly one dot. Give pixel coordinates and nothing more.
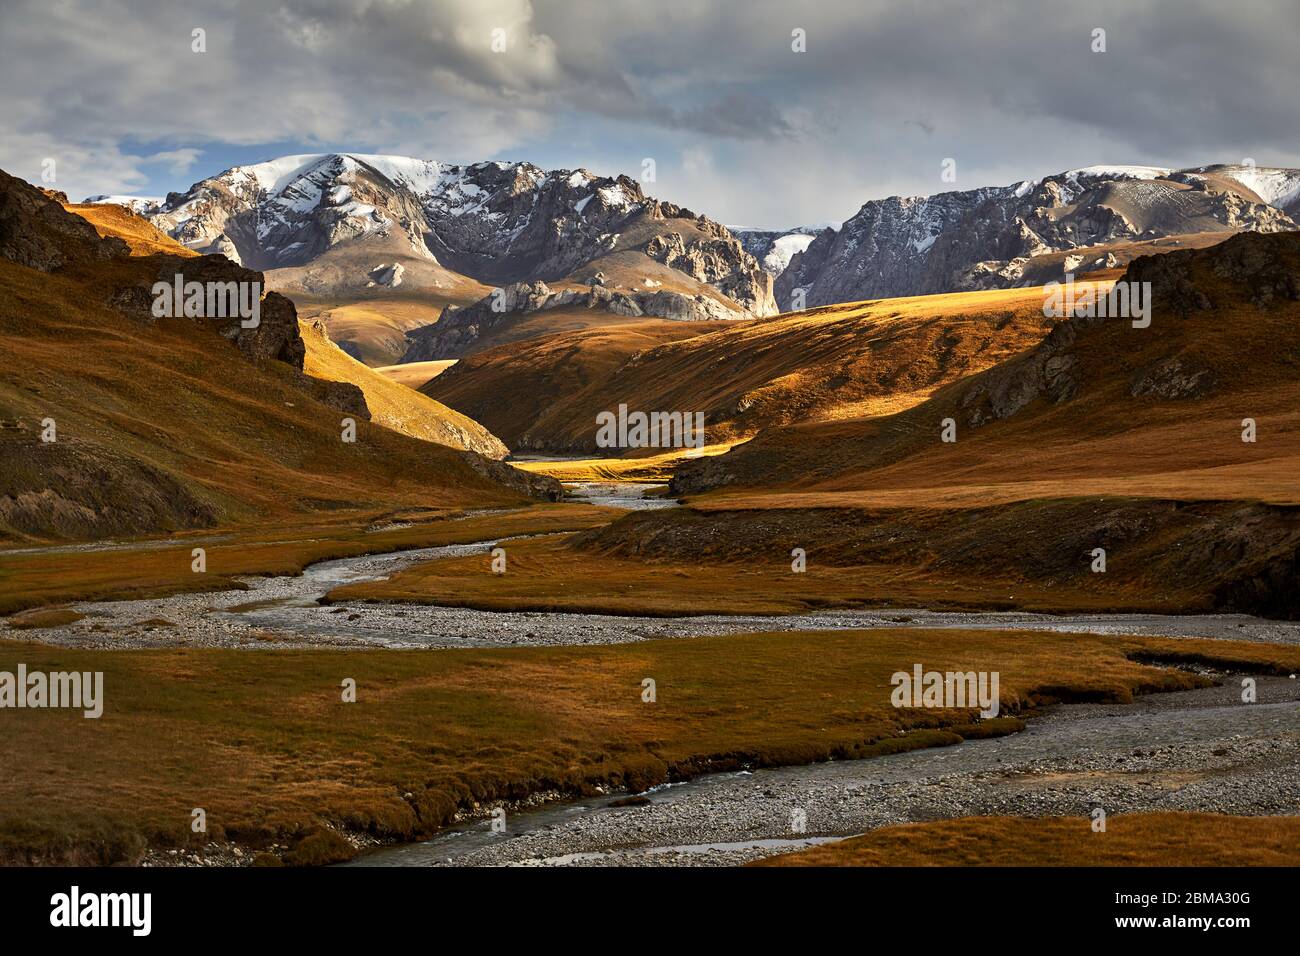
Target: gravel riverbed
(284, 611)
(1201, 750)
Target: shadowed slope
(165, 424)
(1099, 407)
(824, 364)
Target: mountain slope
(173, 423)
(394, 405)
(995, 237)
(514, 388)
(1099, 407)
(1102, 470)
(824, 364)
(137, 232)
(496, 223)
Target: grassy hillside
(138, 233)
(394, 405)
(826, 364)
(415, 374)
(163, 424)
(1099, 408)
(513, 387)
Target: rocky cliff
(989, 238)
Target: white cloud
(883, 93)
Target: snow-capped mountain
(1032, 231)
(495, 222)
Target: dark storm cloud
(740, 124)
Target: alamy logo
(950, 689)
(75, 908)
(209, 300)
(1123, 300)
(78, 690)
(655, 430)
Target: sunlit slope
(415, 374)
(825, 364)
(394, 405)
(138, 233)
(1101, 407)
(513, 387)
(159, 425)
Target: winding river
(1196, 750)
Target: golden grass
(39, 578)
(563, 364)
(42, 617)
(547, 574)
(394, 405)
(263, 742)
(826, 363)
(1110, 438)
(654, 467)
(1131, 839)
(1175, 451)
(138, 233)
(415, 374)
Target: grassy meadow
(264, 743)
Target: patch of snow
(1277, 187)
(784, 248)
(614, 196)
(1118, 172)
(137, 204)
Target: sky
(740, 123)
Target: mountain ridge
(496, 222)
(993, 236)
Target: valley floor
(1198, 751)
(535, 708)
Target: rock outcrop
(526, 483)
(37, 232)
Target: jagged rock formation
(717, 259)
(276, 336)
(458, 330)
(497, 222)
(988, 238)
